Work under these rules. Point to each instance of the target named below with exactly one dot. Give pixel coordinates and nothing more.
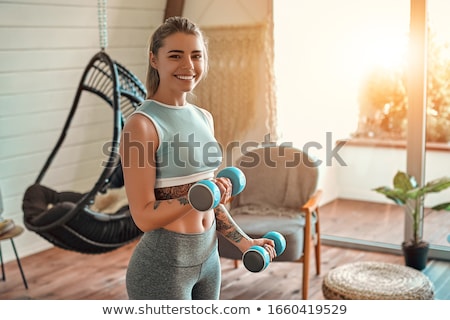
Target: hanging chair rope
(102, 23)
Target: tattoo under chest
(174, 192)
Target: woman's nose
(188, 63)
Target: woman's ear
(153, 60)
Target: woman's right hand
(225, 187)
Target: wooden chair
(11, 234)
(280, 195)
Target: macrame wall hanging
(240, 73)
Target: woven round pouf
(376, 281)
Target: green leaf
(442, 206)
(436, 185)
(405, 187)
(396, 195)
(403, 181)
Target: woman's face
(180, 62)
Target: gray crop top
(188, 150)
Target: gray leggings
(167, 265)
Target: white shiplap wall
(44, 47)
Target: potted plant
(407, 193)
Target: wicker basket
(376, 281)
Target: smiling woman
(177, 257)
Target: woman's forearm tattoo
(183, 200)
(226, 225)
(174, 192)
(171, 193)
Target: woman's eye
(175, 56)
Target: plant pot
(416, 255)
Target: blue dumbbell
(205, 194)
(257, 258)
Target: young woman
(167, 145)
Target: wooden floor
(379, 222)
(61, 274)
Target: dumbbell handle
(205, 194)
(257, 258)
(236, 177)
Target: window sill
(396, 144)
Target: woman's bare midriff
(194, 221)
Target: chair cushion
(278, 176)
(255, 227)
(42, 205)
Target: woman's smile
(185, 77)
